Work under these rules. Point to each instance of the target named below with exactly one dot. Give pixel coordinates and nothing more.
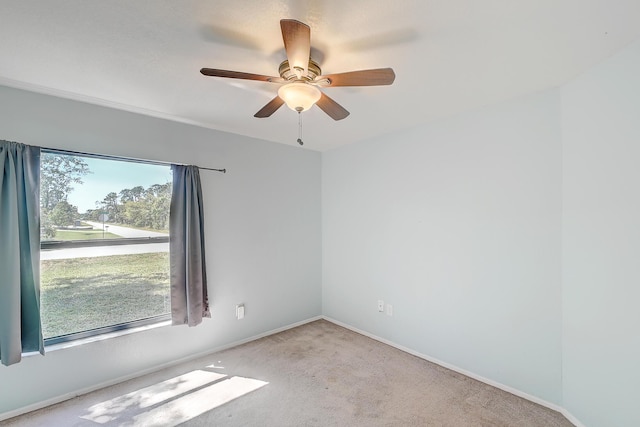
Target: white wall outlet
(380, 305)
(389, 310)
(240, 311)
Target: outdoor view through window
(104, 243)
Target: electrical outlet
(380, 305)
(240, 311)
(389, 310)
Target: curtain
(189, 300)
(20, 326)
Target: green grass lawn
(83, 235)
(79, 294)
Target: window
(104, 244)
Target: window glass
(104, 244)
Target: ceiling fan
(301, 77)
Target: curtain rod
(123, 159)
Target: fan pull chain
(300, 128)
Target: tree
(136, 214)
(157, 190)
(136, 192)
(47, 229)
(160, 205)
(110, 205)
(137, 206)
(58, 173)
(126, 195)
(91, 215)
(64, 214)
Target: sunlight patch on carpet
(129, 405)
(197, 403)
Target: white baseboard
(80, 392)
(573, 420)
(469, 374)
(71, 395)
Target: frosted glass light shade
(299, 96)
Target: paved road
(126, 231)
(96, 251)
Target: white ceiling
(449, 56)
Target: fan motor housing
(313, 71)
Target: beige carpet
(318, 374)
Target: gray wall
(263, 235)
(457, 225)
(506, 240)
(601, 242)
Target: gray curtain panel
(189, 300)
(20, 326)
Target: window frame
(53, 244)
(90, 333)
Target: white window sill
(101, 337)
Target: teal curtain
(20, 326)
(189, 300)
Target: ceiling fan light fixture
(299, 96)
(302, 76)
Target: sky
(110, 175)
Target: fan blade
(297, 43)
(237, 75)
(332, 108)
(376, 77)
(270, 108)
